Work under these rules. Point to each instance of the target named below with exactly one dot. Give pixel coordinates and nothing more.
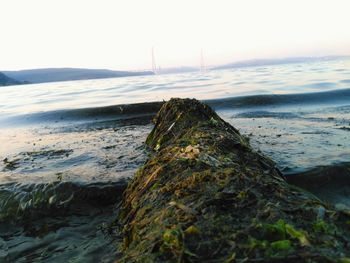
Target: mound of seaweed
(206, 196)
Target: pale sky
(118, 34)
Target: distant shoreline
(46, 75)
(35, 76)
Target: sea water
(67, 149)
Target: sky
(120, 34)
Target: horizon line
(210, 67)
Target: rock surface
(206, 196)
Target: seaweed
(206, 196)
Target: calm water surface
(67, 148)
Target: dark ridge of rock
(206, 196)
(23, 204)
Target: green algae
(27, 202)
(206, 196)
(282, 245)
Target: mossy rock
(206, 196)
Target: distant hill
(278, 61)
(7, 81)
(66, 74)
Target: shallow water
(102, 151)
(67, 149)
